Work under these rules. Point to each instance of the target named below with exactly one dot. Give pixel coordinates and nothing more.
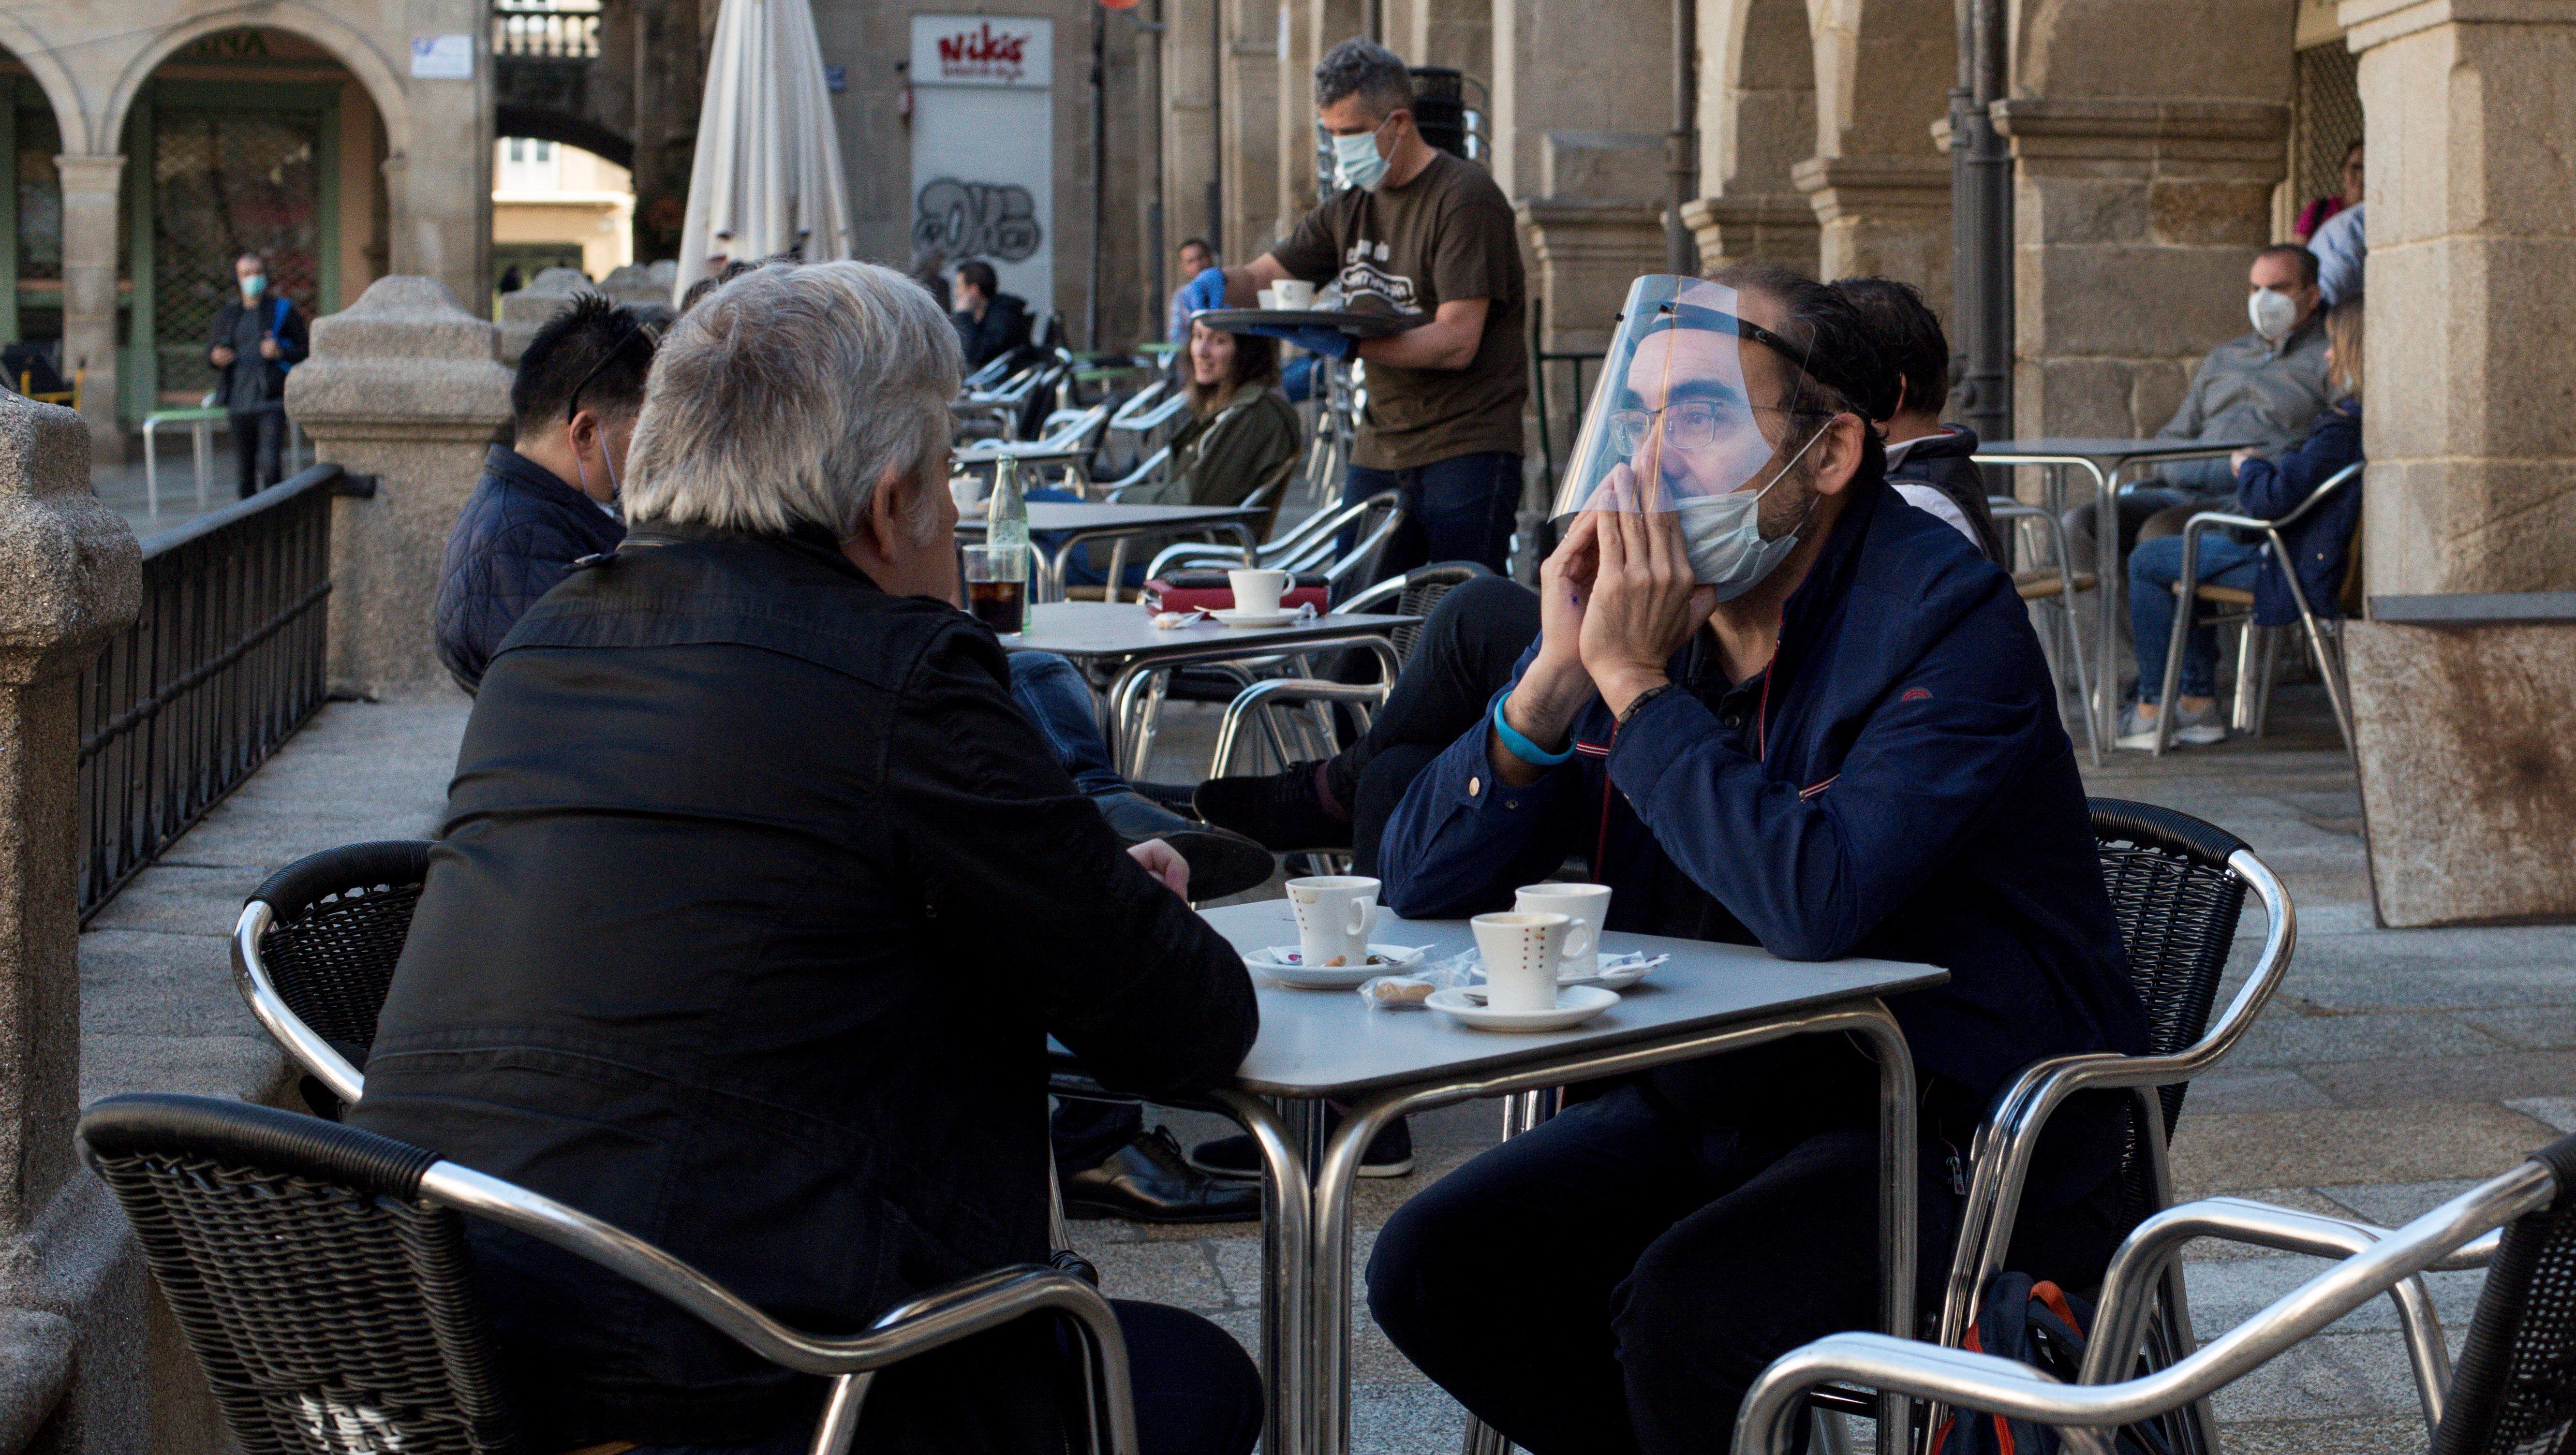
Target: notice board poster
(983, 147)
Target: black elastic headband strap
(1672, 316)
(634, 330)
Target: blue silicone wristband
(1521, 747)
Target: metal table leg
(1286, 1237)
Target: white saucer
(1575, 1004)
(1231, 617)
(1619, 979)
(1279, 962)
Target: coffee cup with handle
(1333, 914)
(1257, 593)
(1588, 905)
(1523, 954)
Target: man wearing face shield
(1414, 231)
(1770, 704)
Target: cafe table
(2106, 460)
(1120, 637)
(1073, 522)
(1327, 1045)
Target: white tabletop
(1125, 629)
(1330, 1043)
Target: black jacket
(755, 903)
(251, 382)
(518, 535)
(1003, 329)
(1941, 461)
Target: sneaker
(1285, 811)
(2200, 729)
(1221, 861)
(1389, 1154)
(2135, 731)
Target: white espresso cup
(1585, 904)
(1267, 298)
(968, 491)
(1523, 953)
(1292, 293)
(1257, 592)
(1333, 915)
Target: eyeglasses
(1693, 424)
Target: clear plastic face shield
(1693, 403)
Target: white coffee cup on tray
(1333, 913)
(1266, 298)
(1523, 954)
(1257, 592)
(1291, 293)
(1588, 905)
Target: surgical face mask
(1357, 162)
(252, 285)
(1723, 534)
(615, 492)
(2273, 312)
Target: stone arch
(1757, 122)
(61, 90)
(347, 44)
(1879, 183)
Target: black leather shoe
(1285, 811)
(1180, 798)
(1222, 862)
(1147, 1181)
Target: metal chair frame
(2067, 583)
(971, 1306)
(1305, 546)
(2086, 1414)
(2253, 682)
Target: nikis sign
(982, 50)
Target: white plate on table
(1283, 964)
(1232, 616)
(1575, 1004)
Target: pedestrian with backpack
(257, 338)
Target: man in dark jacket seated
(1928, 462)
(1772, 705)
(990, 322)
(755, 903)
(550, 498)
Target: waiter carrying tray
(1423, 233)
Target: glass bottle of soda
(1006, 517)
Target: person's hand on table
(1645, 603)
(1165, 863)
(1205, 291)
(1332, 343)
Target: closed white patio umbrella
(768, 177)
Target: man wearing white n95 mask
(1415, 232)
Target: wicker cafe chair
(315, 949)
(321, 1276)
(2515, 1391)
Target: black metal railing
(223, 663)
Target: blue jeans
(1053, 695)
(1458, 509)
(2154, 567)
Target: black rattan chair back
(2177, 903)
(2516, 1386)
(329, 1307)
(341, 918)
(1423, 588)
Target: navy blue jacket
(518, 535)
(1903, 789)
(2320, 543)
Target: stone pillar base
(1882, 217)
(2468, 776)
(1774, 227)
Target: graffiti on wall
(976, 220)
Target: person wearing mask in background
(1197, 256)
(1416, 232)
(2321, 210)
(1928, 462)
(2342, 242)
(2265, 490)
(258, 336)
(549, 498)
(990, 322)
(2267, 386)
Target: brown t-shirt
(1447, 233)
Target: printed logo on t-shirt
(1360, 274)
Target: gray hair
(788, 394)
(1365, 69)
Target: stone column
(1248, 129)
(401, 386)
(1587, 252)
(89, 293)
(442, 213)
(2472, 483)
(70, 1286)
(2135, 221)
(1757, 121)
(1885, 216)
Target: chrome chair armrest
(251, 978)
(1193, 553)
(1975, 1381)
(1147, 473)
(1291, 692)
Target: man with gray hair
(755, 901)
(1418, 232)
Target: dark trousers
(1615, 1280)
(1464, 655)
(1196, 1392)
(1458, 509)
(259, 439)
